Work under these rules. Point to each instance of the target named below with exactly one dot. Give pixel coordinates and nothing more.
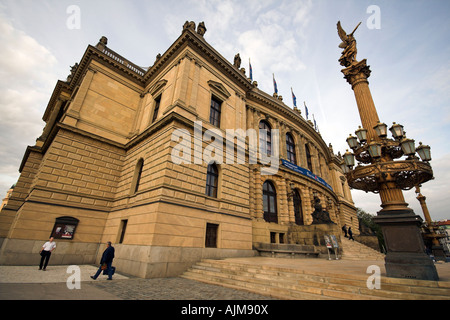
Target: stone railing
(117, 57)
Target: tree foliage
(367, 219)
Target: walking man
(344, 228)
(46, 252)
(350, 234)
(106, 261)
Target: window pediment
(219, 89)
(153, 90)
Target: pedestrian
(350, 234)
(106, 262)
(344, 228)
(46, 252)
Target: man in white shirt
(46, 252)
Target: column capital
(357, 72)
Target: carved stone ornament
(319, 215)
(348, 57)
(201, 30)
(189, 25)
(357, 72)
(405, 174)
(237, 61)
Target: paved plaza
(29, 283)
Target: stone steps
(297, 284)
(357, 251)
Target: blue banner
(305, 172)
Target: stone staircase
(357, 251)
(277, 279)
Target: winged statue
(348, 57)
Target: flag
(294, 98)
(275, 88)
(315, 124)
(251, 70)
(306, 110)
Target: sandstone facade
(105, 159)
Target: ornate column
(357, 76)
(406, 256)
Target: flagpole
(275, 87)
(306, 110)
(251, 71)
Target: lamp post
(379, 171)
(431, 235)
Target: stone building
(120, 160)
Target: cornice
(193, 40)
(60, 87)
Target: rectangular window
(215, 112)
(156, 110)
(123, 228)
(211, 235)
(273, 237)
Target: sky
(406, 43)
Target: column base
(410, 266)
(406, 257)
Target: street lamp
(380, 170)
(424, 152)
(375, 149)
(397, 131)
(352, 142)
(381, 129)
(361, 133)
(349, 159)
(408, 146)
(344, 167)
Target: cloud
(26, 81)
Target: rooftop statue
(348, 57)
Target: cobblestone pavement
(29, 283)
(173, 289)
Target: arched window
(290, 149)
(137, 176)
(212, 177)
(265, 142)
(270, 202)
(308, 158)
(298, 208)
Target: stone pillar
(283, 213)
(290, 203)
(252, 191)
(73, 112)
(259, 195)
(357, 76)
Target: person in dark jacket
(106, 260)
(350, 234)
(344, 228)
